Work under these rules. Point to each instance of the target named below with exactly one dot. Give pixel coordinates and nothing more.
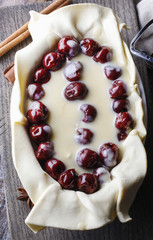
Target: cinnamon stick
(23, 32)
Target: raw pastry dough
(54, 206)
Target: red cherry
(102, 175)
(35, 91)
(42, 75)
(118, 89)
(68, 46)
(45, 151)
(122, 135)
(123, 121)
(53, 61)
(37, 112)
(120, 105)
(87, 183)
(72, 71)
(87, 158)
(104, 55)
(84, 135)
(40, 133)
(109, 154)
(75, 91)
(89, 111)
(54, 168)
(112, 73)
(89, 47)
(68, 179)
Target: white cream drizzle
(65, 116)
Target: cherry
(102, 175)
(118, 89)
(40, 133)
(89, 111)
(122, 135)
(68, 179)
(112, 73)
(75, 90)
(89, 47)
(72, 71)
(104, 55)
(35, 91)
(68, 46)
(41, 75)
(87, 158)
(109, 154)
(37, 112)
(53, 61)
(84, 135)
(54, 167)
(120, 105)
(87, 183)
(123, 121)
(45, 151)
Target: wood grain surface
(140, 228)
(17, 2)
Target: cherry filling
(109, 154)
(68, 179)
(89, 112)
(68, 46)
(102, 175)
(112, 73)
(123, 121)
(122, 135)
(104, 55)
(75, 91)
(87, 158)
(54, 168)
(40, 133)
(45, 151)
(37, 112)
(118, 89)
(35, 91)
(53, 61)
(41, 76)
(87, 183)
(89, 47)
(120, 105)
(84, 135)
(72, 71)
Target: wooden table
(142, 209)
(16, 2)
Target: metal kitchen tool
(137, 50)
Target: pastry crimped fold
(54, 206)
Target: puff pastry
(53, 206)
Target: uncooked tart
(90, 99)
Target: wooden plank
(17, 2)
(141, 211)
